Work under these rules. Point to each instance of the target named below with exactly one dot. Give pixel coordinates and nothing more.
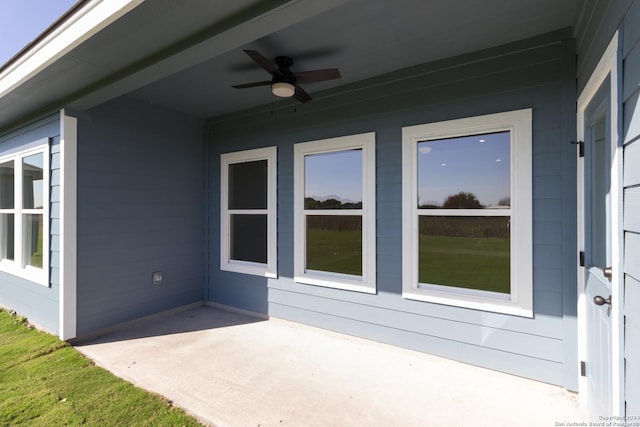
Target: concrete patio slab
(229, 369)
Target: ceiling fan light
(283, 89)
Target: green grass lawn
(465, 262)
(46, 382)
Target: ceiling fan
(285, 83)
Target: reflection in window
(334, 244)
(7, 185)
(24, 231)
(599, 188)
(32, 191)
(467, 224)
(33, 240)
(334, 213)
(333, 180)
(465, 252)
(467, 172)
(7, 228)
(7, 217)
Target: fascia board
(86, 22)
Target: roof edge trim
(81, 22)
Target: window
(248, 212)
(467, 213)
(24, 202)
(334, 213)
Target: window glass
(248, 238)
(599, 189)
(248, 206)
(248, 185)
(33, 240)
(7, 229)
(465, 252)
(467, 222)
(32, 180)
(468, 172)
(334, 243)
(333, 180)
(7, 185)
(334, 213)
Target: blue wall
(538, 73)
(140, 210)
(38, 303)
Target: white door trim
(607, 66)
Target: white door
(596, 187)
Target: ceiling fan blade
(263, 62)
(254, 84)
(301, 95)
(317, 75)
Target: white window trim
(520, 301)
(270, 154)
(367, 282)
(17, 267)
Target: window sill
(31, 274)
(252, 268)
(335, 283)
(498, 304)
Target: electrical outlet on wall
(156, 277)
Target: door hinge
(580, 145)
(581, 258)
(583, 368)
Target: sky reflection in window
(476, 165)
(334, 175)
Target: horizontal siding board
(631, 118)
(602, 19)
(632, 209)
(544, 324)
(631, 72)
(499, 339)
(632, 345)
(539, 369)
(631, 28)
(632, 164)
(632, 255)
(140, 210)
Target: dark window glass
(334, 243)
(465, 252)
(469, 172)
(333, 180)
(248, 238)
(248, 185)
(6, 185)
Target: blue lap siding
(140, 210)
(538, 73)
(37, 302)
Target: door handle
(608, 272)
(598, 300)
